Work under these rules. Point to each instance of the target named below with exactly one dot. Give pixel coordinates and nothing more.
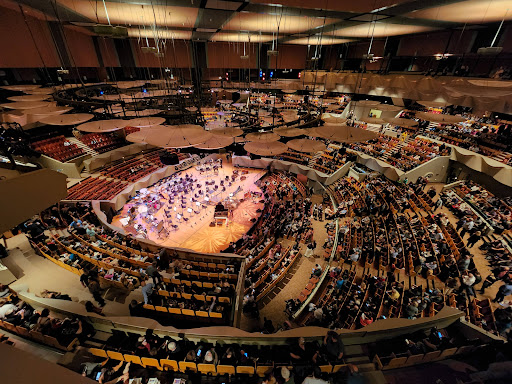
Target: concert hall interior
(256, 191)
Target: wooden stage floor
(196, 234)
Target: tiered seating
(294, 157)
(129, 130)
(384, 226)
(403, 156)
(248, 360)
(58, 148)
(51, 336)
(378, 147)
(95, 188)
(129, 170)
(490, 138)
(102, 142)
(497, 212)
(426, 347)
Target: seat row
(392, 362)
(205, 369)
(94, 188)
(58, 148)
(37, 336)
(188, 296)
(190, 313)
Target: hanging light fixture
(492, 50)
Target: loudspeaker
(169, 159)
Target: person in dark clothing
(94, 288)
(496, 274)
(474, 238)
(84, 278)
(333, 346)
(36, 230)
(228, 358)
(503, 291)
(152, 272)
(268, 327)
(136, 308)
(163, 259)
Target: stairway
(313, 160)
(432, 126)
(87, 150)
(374, 128)
(56, 232)
(397, 148)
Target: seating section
(424, 347)
(198, 291)
(403, 155)
(129, 170)
(390, 228)
(129, 130)
(95, 188)
(330, 160)
(488, 136)
(102, 142)
(473, 199)
(58, 148)
(137, 167)
(63, 335)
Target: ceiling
(307, 22)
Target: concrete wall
(438, 167)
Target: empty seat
(187, 366)
(169, 365)
(132, 359)
(207, 369)
(225, 369)
(150, 362)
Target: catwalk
(178, 211)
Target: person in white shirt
(6, 310)
(467, 227)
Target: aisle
(478, 256)
(294, 282)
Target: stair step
(88, 150)
(353, 350)
(357, 360)
(374, 377)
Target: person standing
(94, 288)
(152, 271)
(504, 291)
(310, 249)
(473, 239)
(496, 274)
(467, 227)
(439, 204)
(147, 290)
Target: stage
(178, 211)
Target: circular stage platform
(180, 211)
